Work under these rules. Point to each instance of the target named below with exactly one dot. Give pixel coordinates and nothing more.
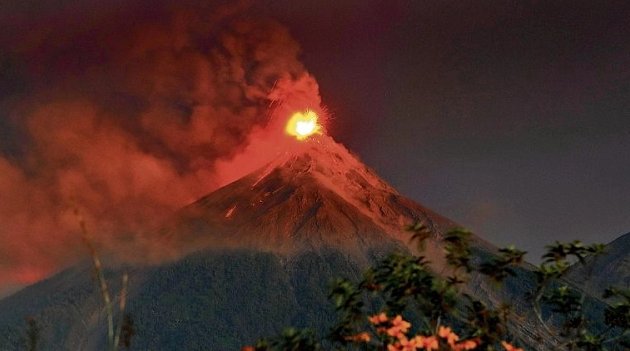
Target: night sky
(510, 117)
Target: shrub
(402, 305)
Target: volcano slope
(611, 269)
(255, 256)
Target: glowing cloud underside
(301, 125)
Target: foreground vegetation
(398, 304)
(375, 313)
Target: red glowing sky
(510, 117)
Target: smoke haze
(129, 111)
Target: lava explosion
(303, 124)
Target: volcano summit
(317, 197)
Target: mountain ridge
(610, 269)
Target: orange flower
(378, 318)
(399, 327)
(448, 334)
(395, 332)
(510, 347)
(428, 343)
(404, 344)
(444, 331)
(361, 337)
(401, 323)
(248, 348)
(409, 345)
(466, 345)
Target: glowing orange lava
(301, 125)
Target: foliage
(167, 315)
(401, 304)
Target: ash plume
(128, 111)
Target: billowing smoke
(128, 112)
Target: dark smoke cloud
(129, 111)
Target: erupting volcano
(262, 248)
(315, 195)
(313, 213)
